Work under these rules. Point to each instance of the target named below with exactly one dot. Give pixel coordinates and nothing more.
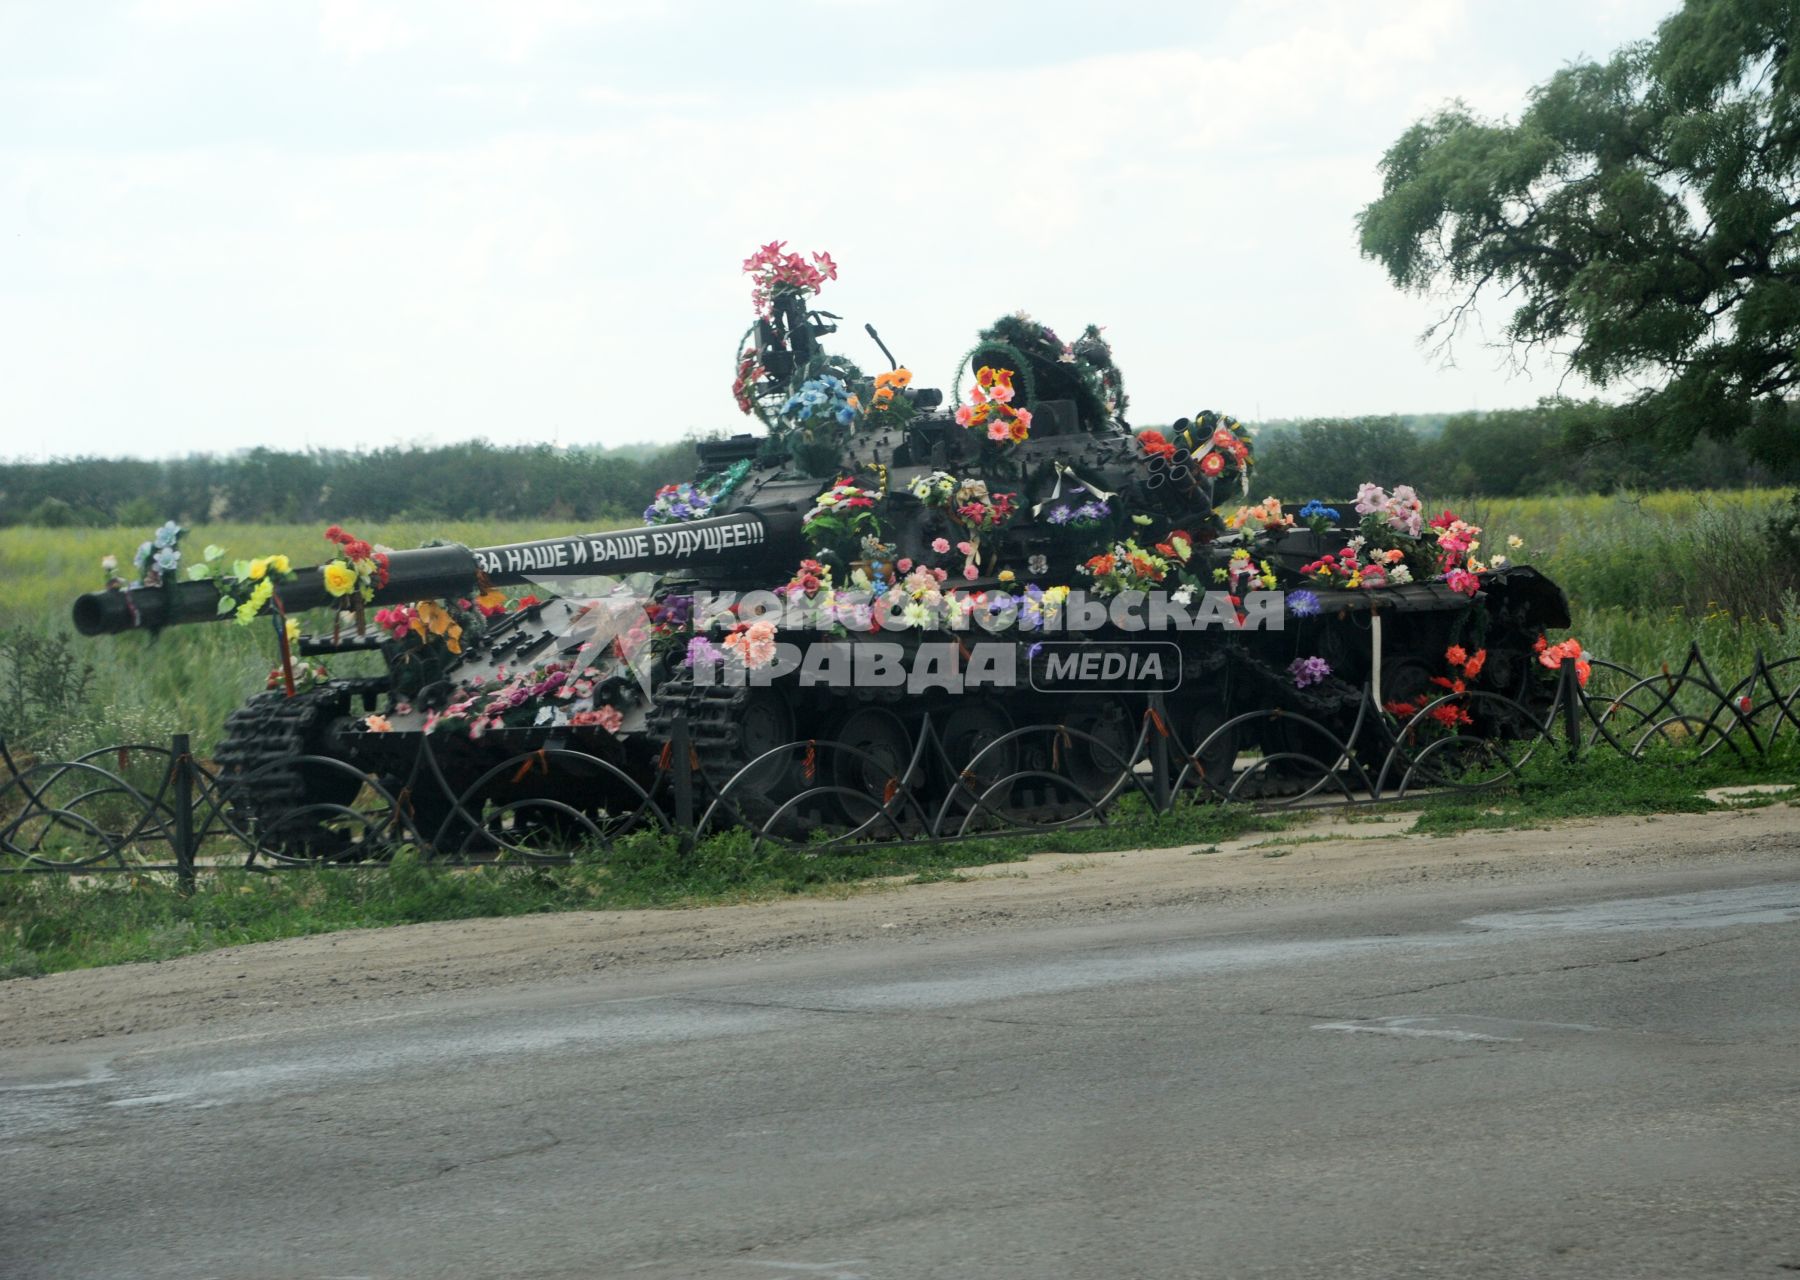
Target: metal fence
(153, 807)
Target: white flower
(1183, 596)
(1499, 562)
(1399, 575)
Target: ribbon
(1064, 469)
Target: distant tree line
(1557, 446)
(469, 481)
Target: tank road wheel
(754, 787)
(1211, 762)
(879, 749)
(970, 728)
(1097, 754)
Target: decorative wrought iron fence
(150, 807)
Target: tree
(1643, 215)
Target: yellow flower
(247, 611)
(280, 564)
(1006, 575)
(293, 630)
(339, 579)
(257, 569)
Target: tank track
(265, 739)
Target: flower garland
(1267, 514)
(773, 273)
(844, 511)
(360, 570)
(1399, 512)
(888, 405)
(1125, 567)
(158, 557)
(935, 489)
(1081, 508)
(1318, 517)
(1553, 656)
(990, 408)
(1348, 570)
(533, 697)
(1220, 446)
(675, 503)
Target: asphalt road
(1513, 1079)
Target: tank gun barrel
(430, 572)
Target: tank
(888, 604)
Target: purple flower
(1302, 604)
(702, 650)
(1059, 515)
(1032, 653)
(1308, 671)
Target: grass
(1648, 575)
(51, 923)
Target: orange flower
(1472, 667)
(1456, 655)
(1100, 564)
(1018, 430)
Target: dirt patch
(1329, 855)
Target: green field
(1646, 575)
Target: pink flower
(1462, 580)
(1001, 393)
(905, 566)
(940, 574)
(967, 548)
(962, 415)
(939, 545)
(970, 571)
(999, 430)
(1024, 416)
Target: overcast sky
(350, 223)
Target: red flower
(1456, 655)
(1212, 464)
(1156, 445)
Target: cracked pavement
(1588, 1072)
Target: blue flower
(1315, 509)
(167, 559)
(1059, 515)
(166, 536)
(846, 416)
(1302, 604)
